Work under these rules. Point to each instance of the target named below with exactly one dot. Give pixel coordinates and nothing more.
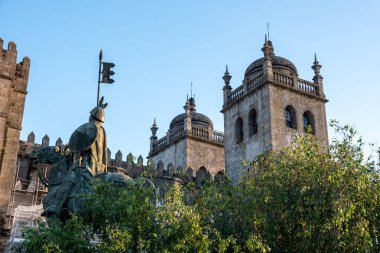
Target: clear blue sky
(159, 47)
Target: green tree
(307, 201)
(72, 237)
(125, 215)
(297, 199)
(178, 225)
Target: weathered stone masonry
(13, 85)
(271, 106)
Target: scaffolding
(24, 205)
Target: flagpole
(100, 71)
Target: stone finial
(118, 158)
(154, 128)
(130, 158)
(1, 43)
(31, 137)
(119, 155)
(189, 105)
(12, 47)
(268, 49)
(188, 109)
(227, 78)
(316, 66)
(318, 79)
(192, 103)
(140, 161)
(45, 141)
(58, 142)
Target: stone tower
(13, 84)
(190, 144)
(270, 106)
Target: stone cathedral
(265, 112)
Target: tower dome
(278, 62)
(197, 119)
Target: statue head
(97, 113)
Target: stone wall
(174, 154)
(13, 85)
(253, 145)
(281, 134)
(202, 153)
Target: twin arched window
(290, 121)
(307, 118)
(253, 126)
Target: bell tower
(270, 106)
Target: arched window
(252, 122)
(220, 177)
(160, 167)
(189, 174)
(170, 169)
(290, 117)
(239, 134)
(202, 176)
(308, 122)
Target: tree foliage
(297, 199)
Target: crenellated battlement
(135, 167)
(11, 48)
(10, 69)
(131, 165)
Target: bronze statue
(74, 167)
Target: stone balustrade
(308, 87)
(176, 135)
(283, 79)
(255, 82)
(236, 94)
(161, 143)
(217, 137)
(198, 132)
(278, 78)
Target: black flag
(107, 72)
